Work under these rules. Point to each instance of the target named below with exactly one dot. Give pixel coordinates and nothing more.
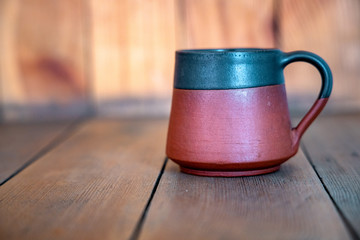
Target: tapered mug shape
(229, 115)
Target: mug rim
(202, 51)
(227, 68)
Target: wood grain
(331, 30)
(42, 60)
(333, 144)
(59, 58)
(93, 186)
(221, 24)
(288, 204)
(133, 49)
(20, 142)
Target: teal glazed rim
(227, 68)
(234, 68)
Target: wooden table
(109, 179)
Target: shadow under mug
(229, 114)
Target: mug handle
(325, 91)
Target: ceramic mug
(229, 114)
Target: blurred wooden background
(61, 59)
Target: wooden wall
(73, 57)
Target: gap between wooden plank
(287, 204)
(137, 230)
(93, 185)
(65, 134)
(349, 227)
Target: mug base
(243, 173)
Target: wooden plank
(330, 29)
(109, 52)
(333, 144)
(42, 60)
(221, 24)
(93, 186)
(288, 204)
(133, 45)
(20, 142)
